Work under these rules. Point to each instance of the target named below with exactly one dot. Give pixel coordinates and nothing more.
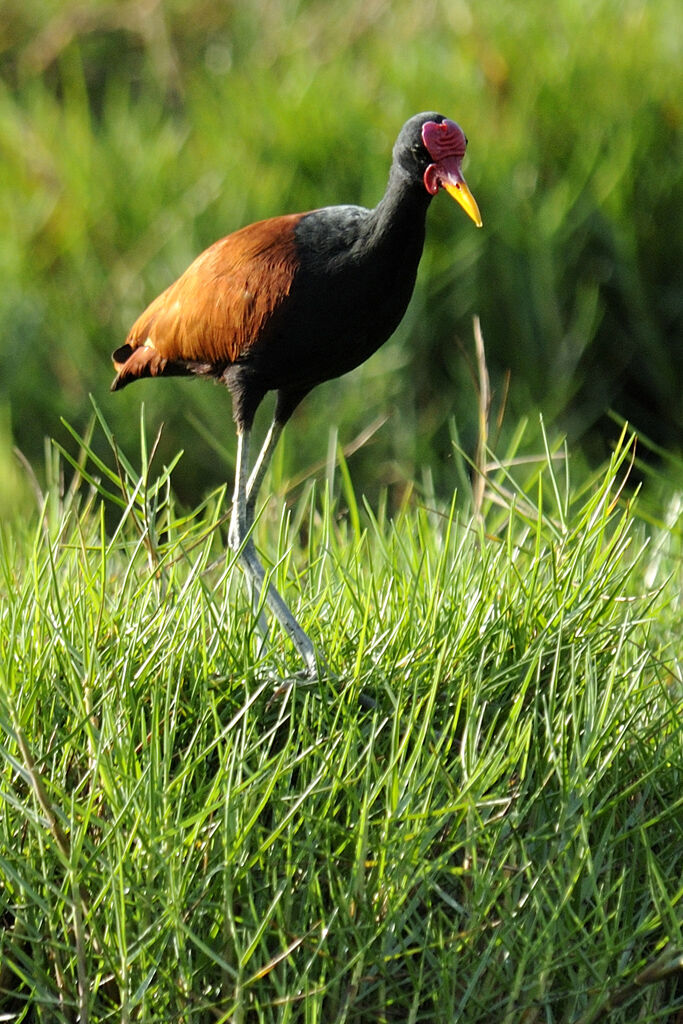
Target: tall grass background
(134, 135)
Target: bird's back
(224, 302)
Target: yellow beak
(461, 193)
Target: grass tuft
(500, 839)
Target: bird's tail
(133, 363)
(144, 361)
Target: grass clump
(182, 839)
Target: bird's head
(430, 147)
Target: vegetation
(133, 135)
(186, 836)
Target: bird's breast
(344, 303)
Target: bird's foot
(307, 680)
(283, 685)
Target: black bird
(286, 303)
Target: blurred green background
(134, 134)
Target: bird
(287, 303)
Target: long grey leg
(261, 467)
(287, 401)
(241, 541)
(239, 527)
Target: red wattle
(431, 179)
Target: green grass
(500, 839)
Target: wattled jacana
(289, 302)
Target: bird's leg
(241, 542)
(261, 467)
(287, 401)
(239, 527)
(252, 487)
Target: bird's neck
(402, 209)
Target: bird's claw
(306, 680)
